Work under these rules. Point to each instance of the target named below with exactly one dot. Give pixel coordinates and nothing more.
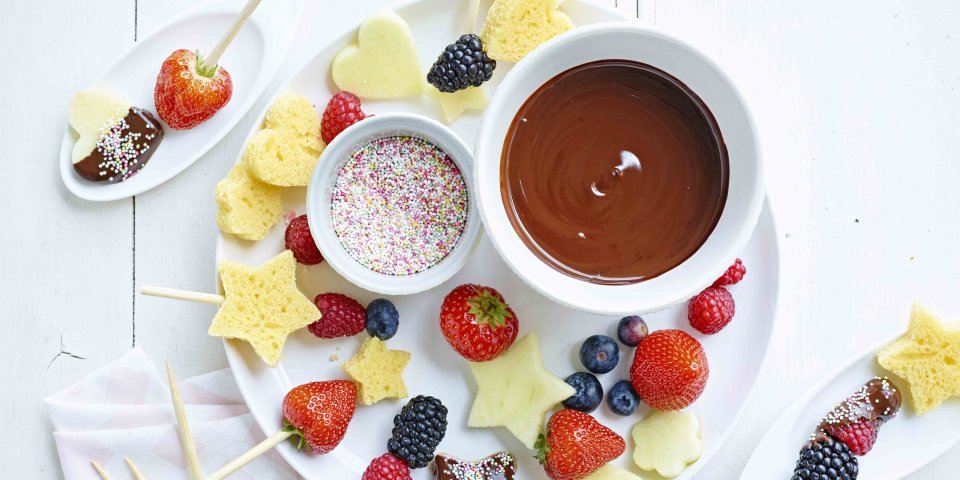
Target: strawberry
(576, 445)
(189, 92)
(477, 322)
(859, 436)
(669, 370)
(319, 413)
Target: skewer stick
(186, 439)
(177, 294)
(137, 474)
(472, 16)
(99, 469)
(250, 455)
(238, 22)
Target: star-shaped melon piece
(454, 104)
(378, 371)
(667, 441)
(515, 391)
(262, 305)
(927, 357)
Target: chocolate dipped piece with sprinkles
(115, 139)
(499, 466)
(878, 400)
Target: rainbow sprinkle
(399, 205)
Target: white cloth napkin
(123, 409)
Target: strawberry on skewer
(192, 88)
(318, 412)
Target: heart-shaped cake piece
(384, 61)
(115, 139)
(515, 27)
(285, 151)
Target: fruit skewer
(178, 294)
(235, 27)
(186, 439)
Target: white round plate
(735, 354)
(904, 445)
(252, 60)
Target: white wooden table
(857, 105)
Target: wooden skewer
(137, 474)
(186, 439)
(99, 469)
(250, 455)
(177, 294)
(238, 22)
(472, 16)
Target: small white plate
(904, 445)
(735, 354)
(252, 60)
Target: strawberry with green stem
(576, 445)
(477, 322)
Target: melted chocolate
(124, 147)
(878, 399)
(614, 172)
(499, 466)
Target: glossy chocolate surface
(123, 148)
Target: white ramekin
(626, 41)
(325, 176)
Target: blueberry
(382, 319)
(589, 392)
(631, 330)
(599, 354)
(623, 399)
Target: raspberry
(386, 467)
(733, 274)
(341, 316)
(859, 436)
(342, 111)
(711, 310)
(299, 240)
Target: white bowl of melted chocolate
(618, 170)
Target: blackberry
(822, 458)
(462, 64)
(417, 430)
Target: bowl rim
(488, 147)
(325, 173)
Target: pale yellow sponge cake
(378, 371)
(515, 27)
(928, 358)
(285, 151)
(515, 391)
(610, 472)
(453, 105)
(384, 61)
(246, 207)
(667, 441)
(262, 305)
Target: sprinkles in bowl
(399, 205)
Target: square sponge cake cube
(285, 151)
(246, 207)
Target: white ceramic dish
(904, 445)
(643, 44)
(735, 354)
(252, 60)
(325, 176)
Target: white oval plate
(904, 445)
(252, 60)
(435, 369)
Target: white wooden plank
(66, 262)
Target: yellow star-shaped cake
(262, 305)
(378, 371)
(454, 104)
(927, 357)
(515, 391)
